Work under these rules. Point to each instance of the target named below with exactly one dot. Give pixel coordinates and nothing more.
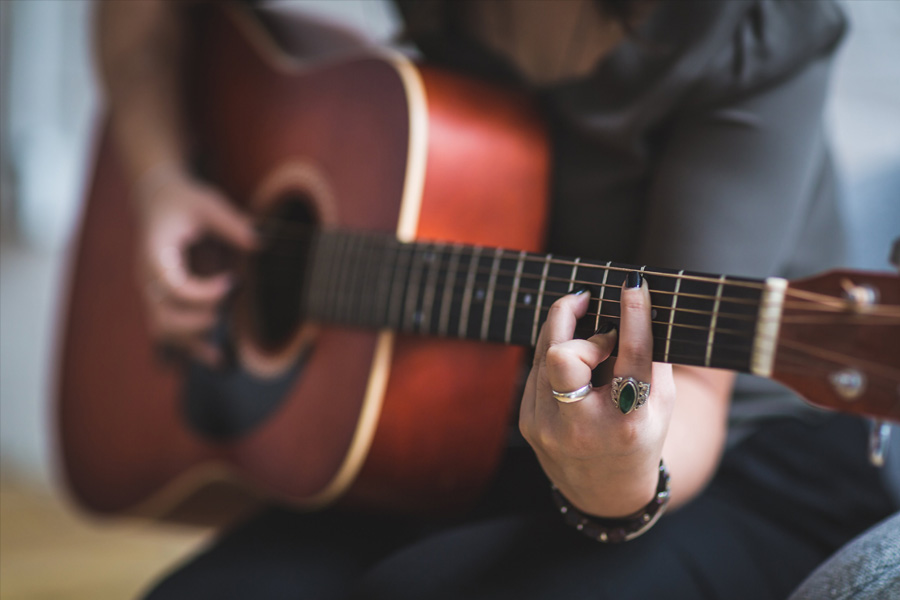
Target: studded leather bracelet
(614, 531)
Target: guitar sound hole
(277, 271)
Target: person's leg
(706, 550)
(281, 554)
(782, 502)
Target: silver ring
(576, 396)
(629, 394)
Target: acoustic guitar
(377, 340)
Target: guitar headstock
(839, 342)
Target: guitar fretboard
(497, 295)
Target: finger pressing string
(630, 386)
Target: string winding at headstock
(839, 342)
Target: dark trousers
(783, 500)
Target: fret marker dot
(417, 318)
(479, 294)
(527, 299)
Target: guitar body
(372, 419)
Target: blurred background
(49, 106)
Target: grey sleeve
(746, 188)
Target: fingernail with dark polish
(633, 280)
(605, 327)
(580, 291)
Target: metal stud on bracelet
(614, 531)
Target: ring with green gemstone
(629, 394)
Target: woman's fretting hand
(175, 211)
(605, 462)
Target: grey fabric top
(696, 144)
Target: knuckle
(525, 427)
(540, 436)
(556, 357)
(546, 441)
(627, 435)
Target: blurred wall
(864, 119)
(49, 102)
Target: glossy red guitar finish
(372, 144)
(125, 444)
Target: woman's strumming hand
(175, 211)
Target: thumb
(230, 223)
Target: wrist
(158, 177)
(619, 529)
(610, 492)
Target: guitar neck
(495, 295)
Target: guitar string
(737, 364)
(587, 283)
(829, 303)
(785, 319)
(824, 302)
(872, 312)
(837, 357)
(682, 326)
(786, 359)
(534, 257)
(441, 273)
(409, 316)
(739, 334)
(802, 365)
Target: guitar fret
(334, 282)
(449, 287)
(712, 323)
(600, 297)
(672, 315)
(411, 309)
(351, 292)
(372, 280)
(395, 303)
(431, 284)
(489, 299)
(574, 273)
(356, 287)
(514, 297)
(383, 288)
(467, 294)
(349, 268)
(374, 258)
(540, 299)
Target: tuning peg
(859, 297)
